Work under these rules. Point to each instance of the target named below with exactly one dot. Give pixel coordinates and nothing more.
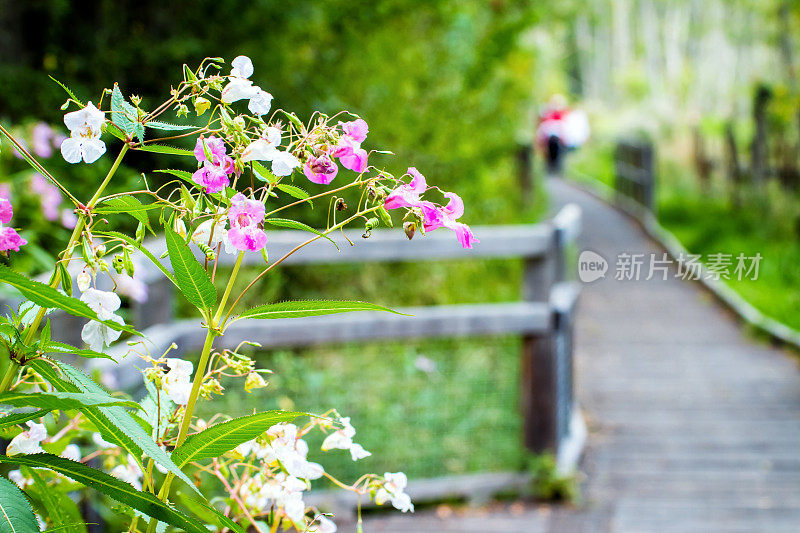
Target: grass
(431, 408)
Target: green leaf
(58, 507)
(16, 515)
(164, 149)
(119, 113)
(21, 418)
(115, 130)
(54, 347)
(263, 174)
(110, 486)
(221, 438)
(182, 174)
(129, 205)
(223, 520)
(114, 423)
(68, 90)
(293, 191)
(191, 278)
(141, 248)
(287, 223)
(310, 308)
(62, 400)
(45, 296)
(166, 126)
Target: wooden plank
(520, 318)
(393, 246)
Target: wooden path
(693, 426)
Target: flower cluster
(408, 195)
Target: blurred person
(560, 129)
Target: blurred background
(455, 88)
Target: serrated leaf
(58, 507)
(110, 486)
(114, 423)
(191, 278)
(294, 224)
(16, 515)
(262, 173)
(68, 90)
(166, 126)
(114, 130)
(310, 308)
(119, 114)
(45, 296)
(53, 347)
(21, 418)
(62, 400)
(164, 149)
(221, 438)
(129, 205)
(182, 174)
(294, 191)
(141, 248)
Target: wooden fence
(543, 317)
(634, 173)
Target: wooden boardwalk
(693, 426)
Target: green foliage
(110, 486)
(57, 506)
(222, 438)
(47, 297)
(190, 277)
(21, 418)
(62, 400)
(547, 483)
(309, 308)
(16, 515)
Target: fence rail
(635, 172)
(543, 317)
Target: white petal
(273, 136)
(260, 150)
(71, 150)
(260, 103)
(93, 149)
(237, 89)
(242, 67)
(94, 117)
(284, 163)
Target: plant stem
(55, 279)
(228, 288)
(11, 371)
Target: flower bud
(386, 218)
(128, 262)
(201, 105)
(410, 228)
(239, 123)
(183, 111)
(100, 251)
(254, 381)
(119, 264)
(140, 233)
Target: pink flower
(320, 169)
(213, 175)
(6, 211)
(438, 217)
(245, 217)
(357, 129)
(42, 139)
(9, 238)
(407, 195)
(49, 194)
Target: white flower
(283, 163)
(322, 524)
(358, 452)
(104, 303)
(177, 382)
(129, 473)
(21, 481)
(265, 148)
(28, 441)
(239, 87)
(101, 442)
(72, 452)
(84, 280)
(202, 235)
(393, 490)
(342, 438)
(97, 335)
(84, 140)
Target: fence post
(648, 176)
(538, 383)
(525, 173)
